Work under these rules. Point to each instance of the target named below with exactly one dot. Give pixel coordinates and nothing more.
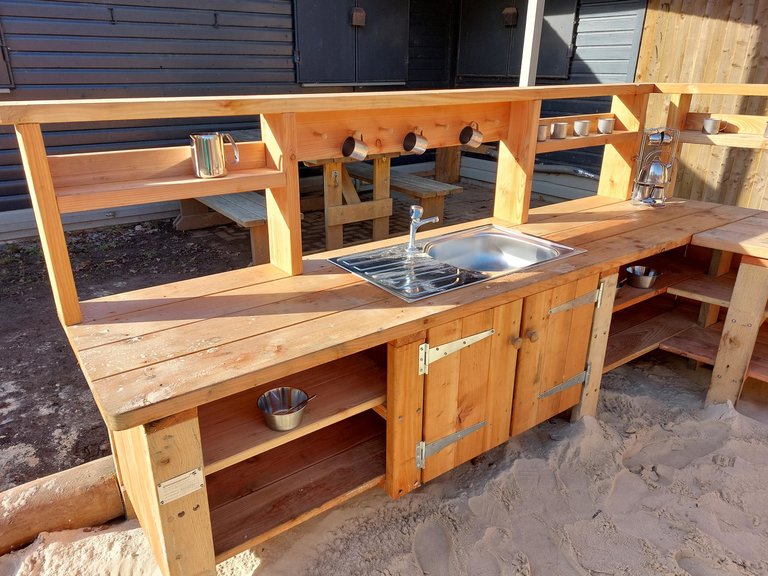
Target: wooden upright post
(517, 153)
(679, 106)
(618, 169)
(162, 471)
(283, 206)
(49, 225)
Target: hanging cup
(354, 148)
(471, 136)
(208, 154)
(415, 143)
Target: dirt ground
(48, 419)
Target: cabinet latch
(588, 298)
(428, 355)
(424, 450)
(579, 378)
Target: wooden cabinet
(450, 395)
(552, 361)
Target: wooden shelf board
(572, 142)
(129, 193)
(263, 496)
(232, 429)
(639, 330)
(708, 289)
(701, 344)
(673, 270)
(757, 141)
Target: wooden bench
(247, 209)
(429, 193)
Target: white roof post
(533, 21)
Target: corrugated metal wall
(97, 48)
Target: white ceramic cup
(605, 125)
(543, 133)
(559, 130)
(581, 128)
(713, 125)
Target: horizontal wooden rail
(45, 111)
(723, 89)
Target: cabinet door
(382, 44)
(466, 391)
(553, 353)
(470, 388)
(325, 41)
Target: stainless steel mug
(415, 143)
(208, 154)
(605, 125)
(559, 130)
(471, 136)
(543, 133)
(354, 148)
(581, 128)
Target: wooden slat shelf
(233, 429)
(673, 270)
(641, 329)
(268, 494)
(704, 288)
(129, 193)
(572, 142)
(701, 344)
(757, 141)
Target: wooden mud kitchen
(405, 391)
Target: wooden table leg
(434, 206)
(381, 192)
(745, 315)
(161, 467)
(332, 188)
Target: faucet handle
(416, 212)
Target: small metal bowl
(641, 276)
(278, 399)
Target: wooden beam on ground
(87, 495)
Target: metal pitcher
(208, 154)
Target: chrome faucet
(416, 222)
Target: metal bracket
(424, 450)
(428, 355)
(588, 298)
(579, 378)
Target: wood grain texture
(179, 531)
(49, 226)
(381, 191)
(283, 207)
(742, 323)
(333, 198)
(517, 154)
(747, 236)
(405, 417)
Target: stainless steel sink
(451, 261)
(493, 249)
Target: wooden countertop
(155, 352)
(748, 236)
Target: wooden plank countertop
(155, 352)
(748, 236)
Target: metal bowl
(278, 399)
(642, 276)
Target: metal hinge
(424, 450)
(296, 56)
(428, 355)
(588, 298)
(579, 378)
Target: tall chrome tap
(416, 222)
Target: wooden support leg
(259, 244)
(332, 187)
(381, 192)
(161, 466)
(194, 215)
(434, 206)
(598, 343)
(745, 314)
(448, 164)
(405, 406)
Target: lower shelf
(701, 344)
(642, 328)
(272, 492)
